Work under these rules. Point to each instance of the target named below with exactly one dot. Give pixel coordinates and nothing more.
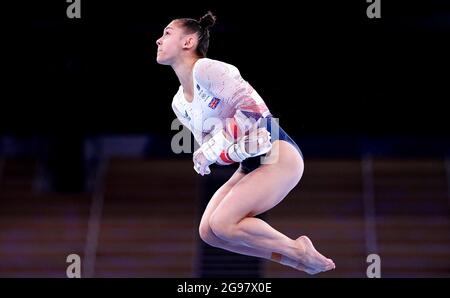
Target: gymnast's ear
(189, 41)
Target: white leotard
(219, 90)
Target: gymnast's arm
(224, 81)
(200, 137)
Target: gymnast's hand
(209, 152)
(257, 142)
(201, 163)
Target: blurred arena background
(86, 165)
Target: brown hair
(201, 27)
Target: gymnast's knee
(207, 235)
(222, 228)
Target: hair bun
(208, 20)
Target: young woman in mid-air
(231, 123)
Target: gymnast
(232, 124)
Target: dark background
(322, 67)
(86, 164)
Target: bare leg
(209, 237)
(259, 253)
(255, 193)
(256, 237)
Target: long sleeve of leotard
(225, 82)
(199, 136)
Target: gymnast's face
(173, 43)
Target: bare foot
(296, 265)
(306, 269)
(310, 260)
